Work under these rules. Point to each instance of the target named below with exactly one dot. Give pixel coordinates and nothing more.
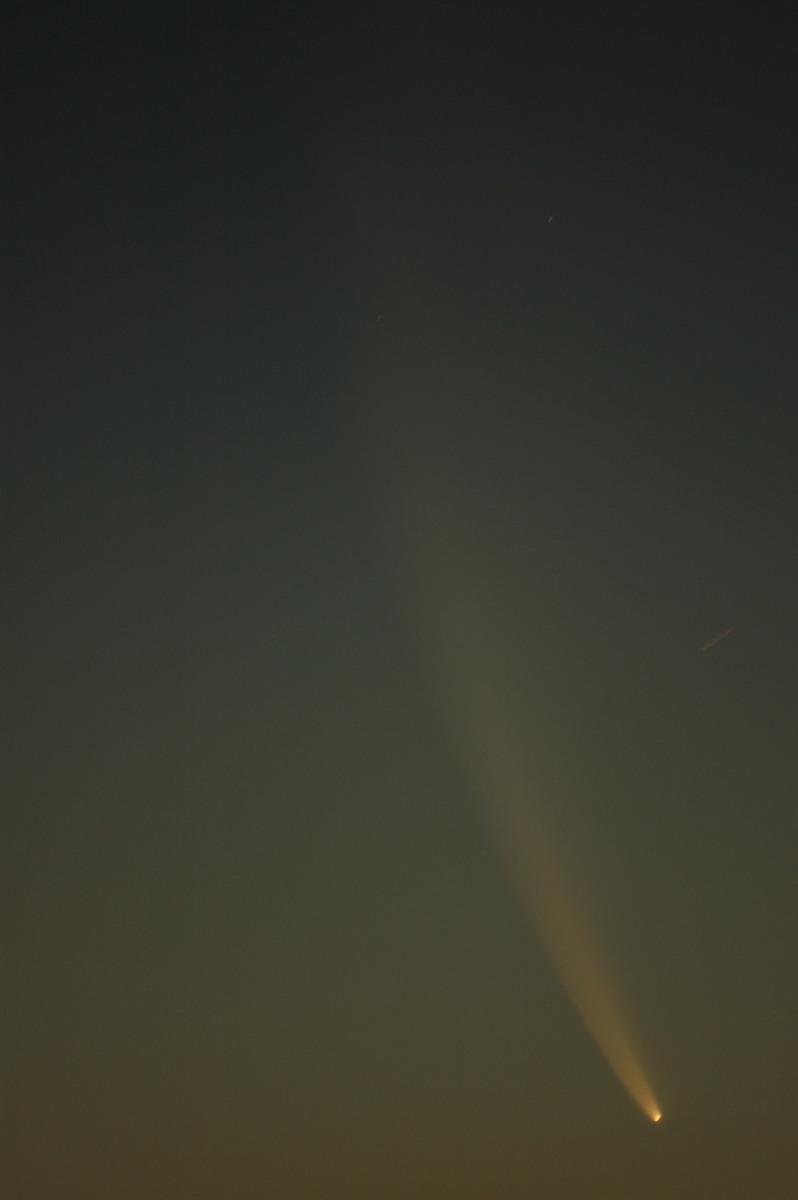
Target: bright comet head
(657, 1116)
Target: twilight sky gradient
(280, 287)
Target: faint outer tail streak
(719, 638)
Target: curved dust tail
(468, 682)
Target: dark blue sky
(272, 281)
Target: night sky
(372, 381)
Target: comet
(468, 679)
(461, 633)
